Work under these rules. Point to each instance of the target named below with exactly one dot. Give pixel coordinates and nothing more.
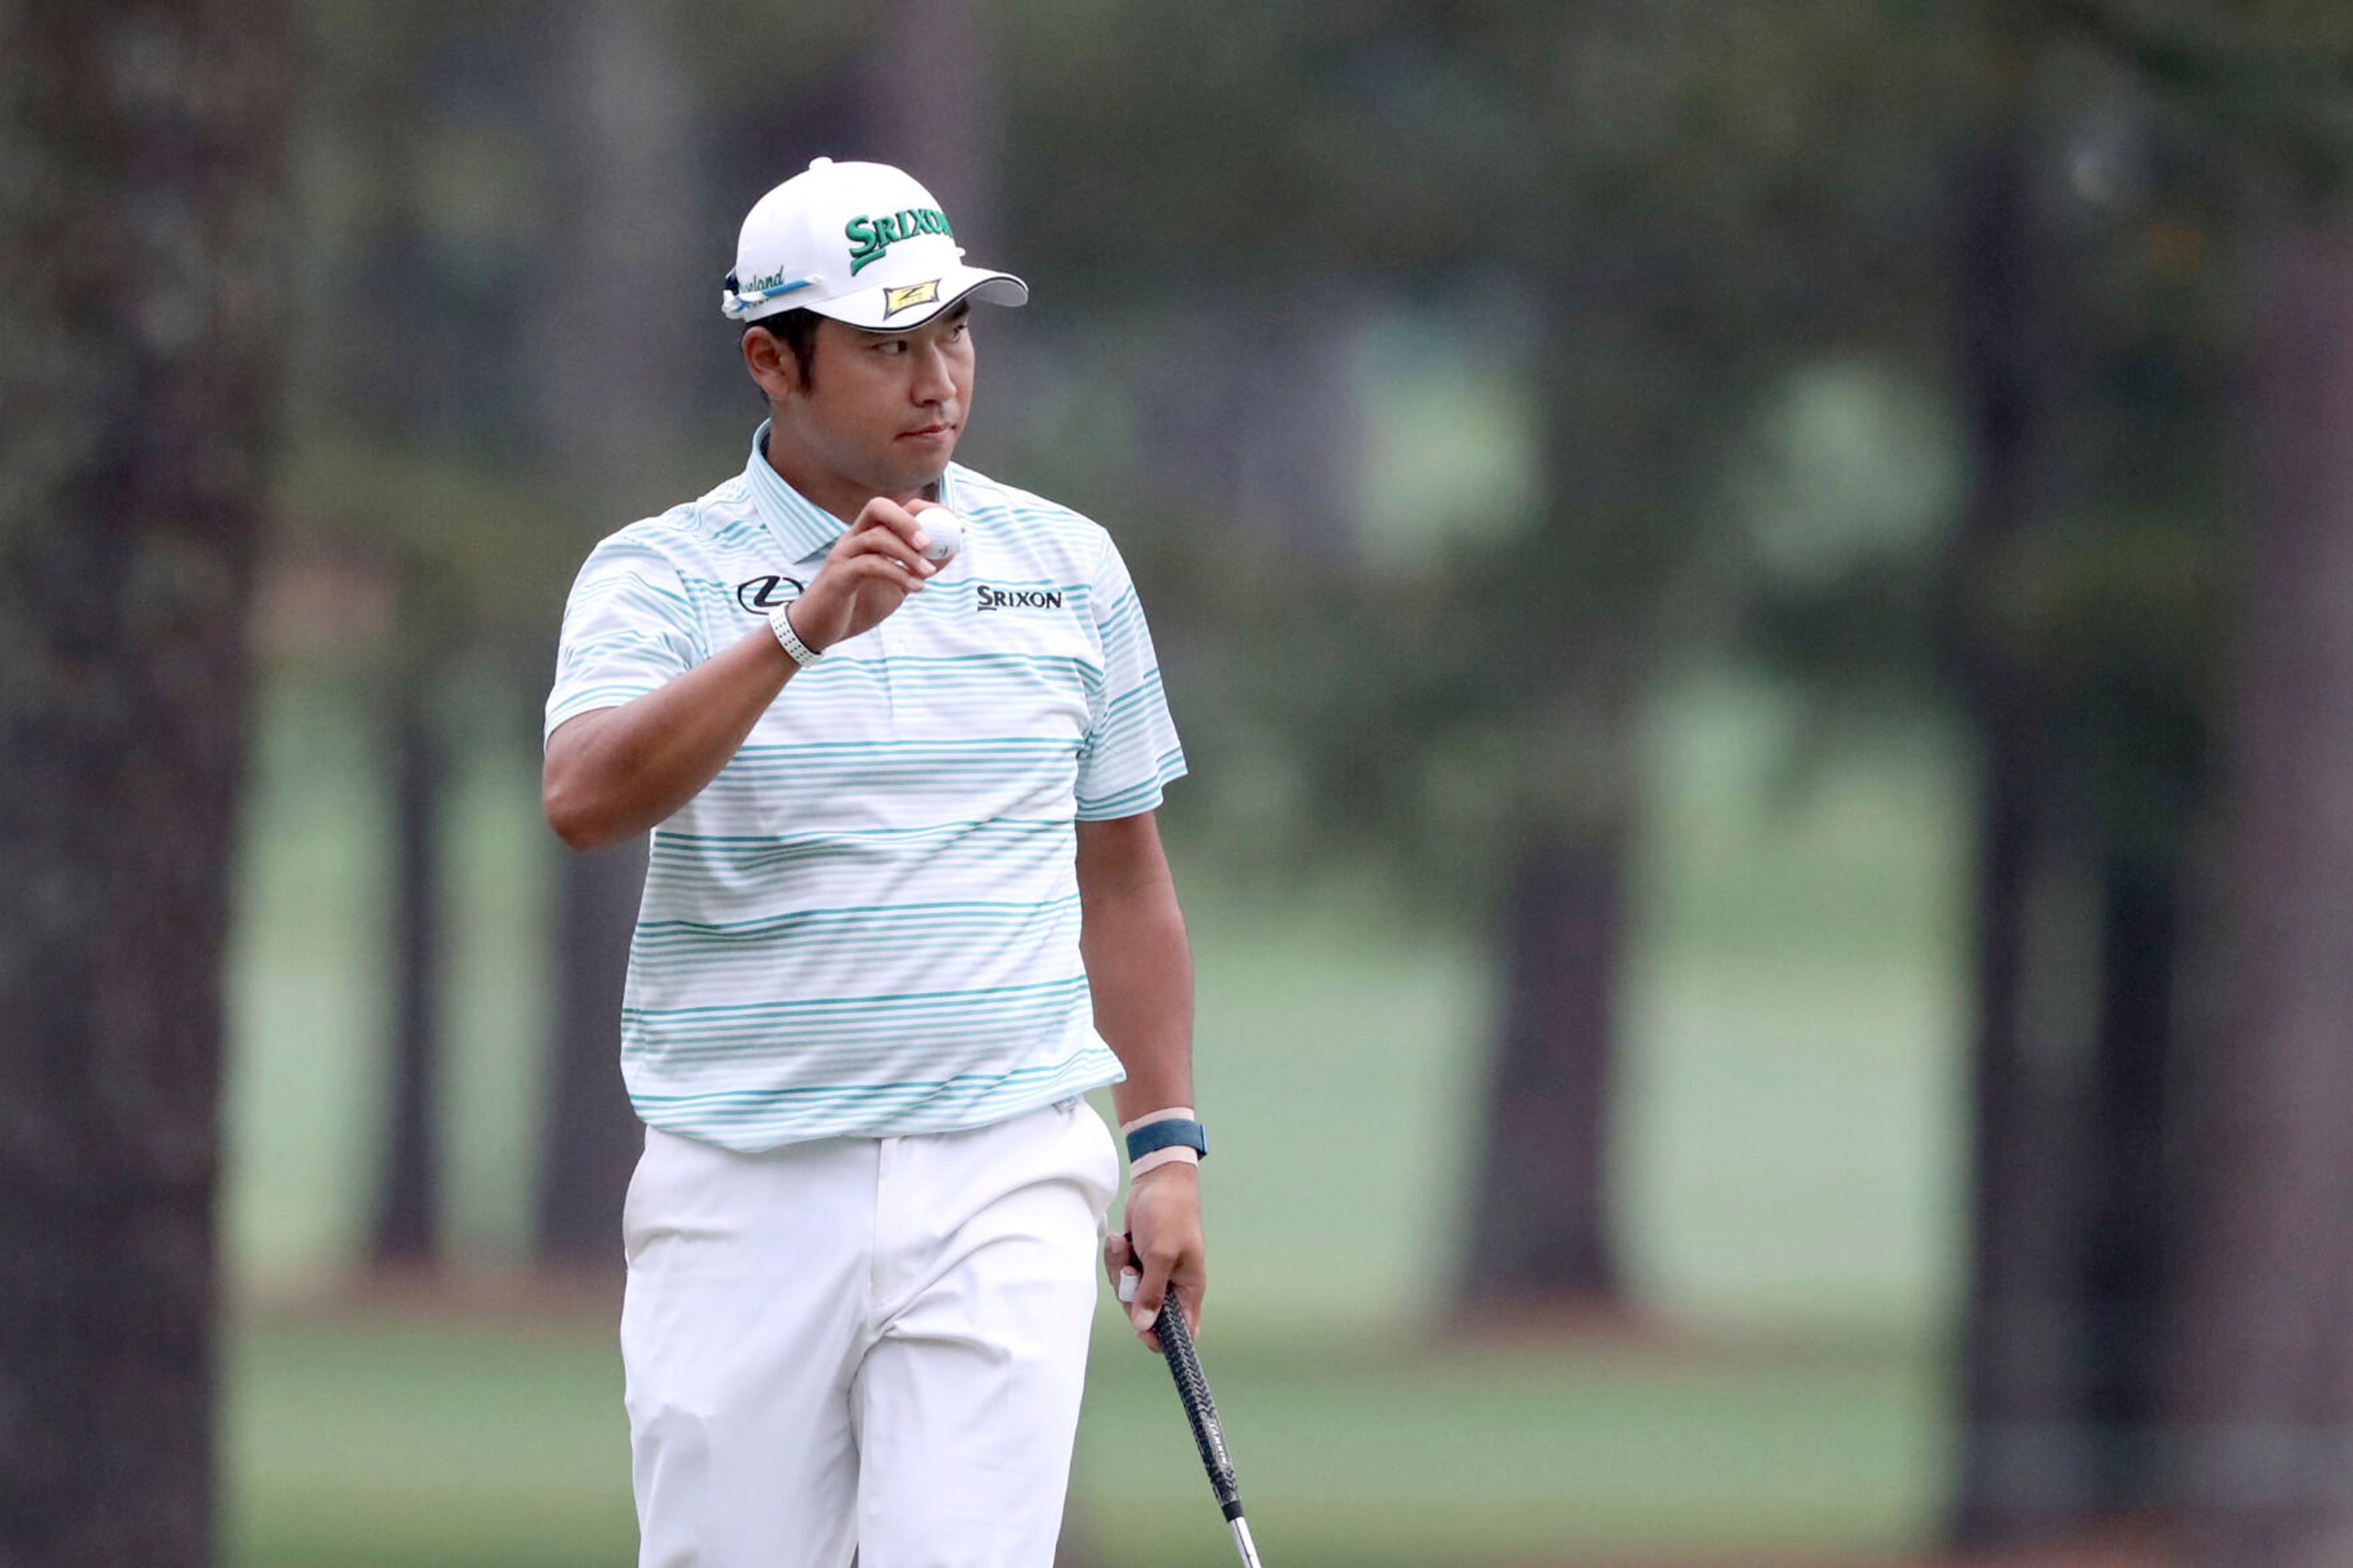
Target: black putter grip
(1193, 1387)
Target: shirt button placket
(882, 650)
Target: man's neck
(842, 497)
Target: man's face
(883, 409)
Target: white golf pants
(862, 1347)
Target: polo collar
(798, 524)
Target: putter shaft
(1209, 1432)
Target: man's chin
(910, 476)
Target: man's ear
(771, 364)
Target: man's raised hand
(869, 574)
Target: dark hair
(797, 330)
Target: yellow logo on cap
(897, 299)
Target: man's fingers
(881, 513)
(850, 577)
(881, 568)
(1145, 1309)
(890, 517)
(1116, 1254)
(886, 544)
(1186, 1295)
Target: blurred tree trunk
(614, 375)
(1619, 394)
(408, 1205)
(2267, 1342)
(949, 131)
(1540, 1230)
(2062, 1379)
(593, 1136)
(139, 360)
(2025, 1476)
(2131, 1212)
(1256, 420)
(397, 378)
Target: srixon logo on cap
(870, 237)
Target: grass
(1785, 1164)
(1372, 1452)
(373, 1440)
(424, 1444)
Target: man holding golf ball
(898, 734)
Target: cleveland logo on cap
(873, 236)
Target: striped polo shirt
(868, 922)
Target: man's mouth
(927, 432)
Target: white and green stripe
(868, 924)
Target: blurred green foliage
(1789, 1132)
(1527, 305)
(1515, 413)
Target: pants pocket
(639, 1204)
(1101, 1162)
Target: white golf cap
(862, 243)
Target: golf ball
(946, 531)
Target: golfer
(906, 902)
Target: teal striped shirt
(868, 922)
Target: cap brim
(899, 307)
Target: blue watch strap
(1172, 1133)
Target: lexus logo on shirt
(760, 594)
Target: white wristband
(1174, 1114)
(781, 623)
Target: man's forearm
(1140, 970)
(619, 770)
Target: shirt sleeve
(1130, 749)
(629, 628)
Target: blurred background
(1758, 597)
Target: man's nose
(933, 384)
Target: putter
(1209, 1435)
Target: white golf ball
(946, 531)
